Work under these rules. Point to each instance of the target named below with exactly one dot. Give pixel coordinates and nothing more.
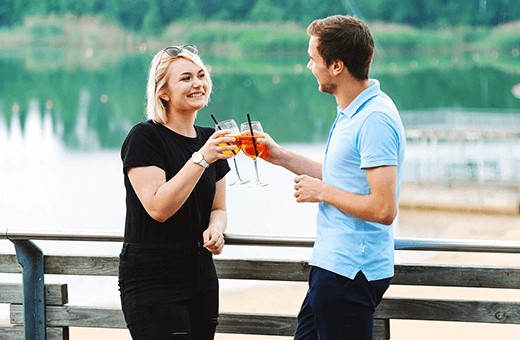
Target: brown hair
(345, 38)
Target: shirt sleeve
(378, 141)
(222, 169)
(141, 148)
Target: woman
(174, 175)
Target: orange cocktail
(237, 143)
(248, 147)
(231, 125)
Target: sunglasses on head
(174, 51)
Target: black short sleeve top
(152, 144)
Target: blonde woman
(174, 175)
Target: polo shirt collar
(361, 99)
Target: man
(357, 186)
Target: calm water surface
(61, 129)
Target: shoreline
(464, 197)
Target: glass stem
(236, 169)
(256, 171)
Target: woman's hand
(216, 144)
(213, 241)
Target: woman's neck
(182, 124)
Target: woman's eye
(186, 78)
(202, 75)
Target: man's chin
(326, 89)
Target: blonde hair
(156, 107)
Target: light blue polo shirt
(368, 133)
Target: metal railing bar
(452, 245)
(64, 235)
(445, 245)
(269, 240)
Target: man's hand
(273, 151)
(308, 189)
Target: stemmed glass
(232, 126)
(251, 147)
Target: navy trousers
(338, 308)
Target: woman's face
(187, 86)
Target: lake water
(61, 129)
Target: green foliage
(150, 21)
(505, 38)
(41, 31)
(413, 40)
(136, 14)
(251, 38)
(265, 12)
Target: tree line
(149, 16)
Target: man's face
(319, 68)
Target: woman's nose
(197, 83)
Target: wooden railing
(59, 315)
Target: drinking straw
(252, 135)
(216, 121)
(218, 127)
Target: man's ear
(336, 67)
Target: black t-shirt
(153, 144)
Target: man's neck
(349, 90)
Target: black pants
(168, 291)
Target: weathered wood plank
(16, 332)
(75, 316)
(381, 330)
(289, 270)
(458, 276)
(449, 310)
(261, 269)
(280, 325)
(66, 265)
(259, 324)
(82, 265)
(431, 275)
(9, 264)
(55, 294)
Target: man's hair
(345, 38)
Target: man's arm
(295, 163)
(380, 205)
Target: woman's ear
(164, 97)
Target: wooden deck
(60, 315)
